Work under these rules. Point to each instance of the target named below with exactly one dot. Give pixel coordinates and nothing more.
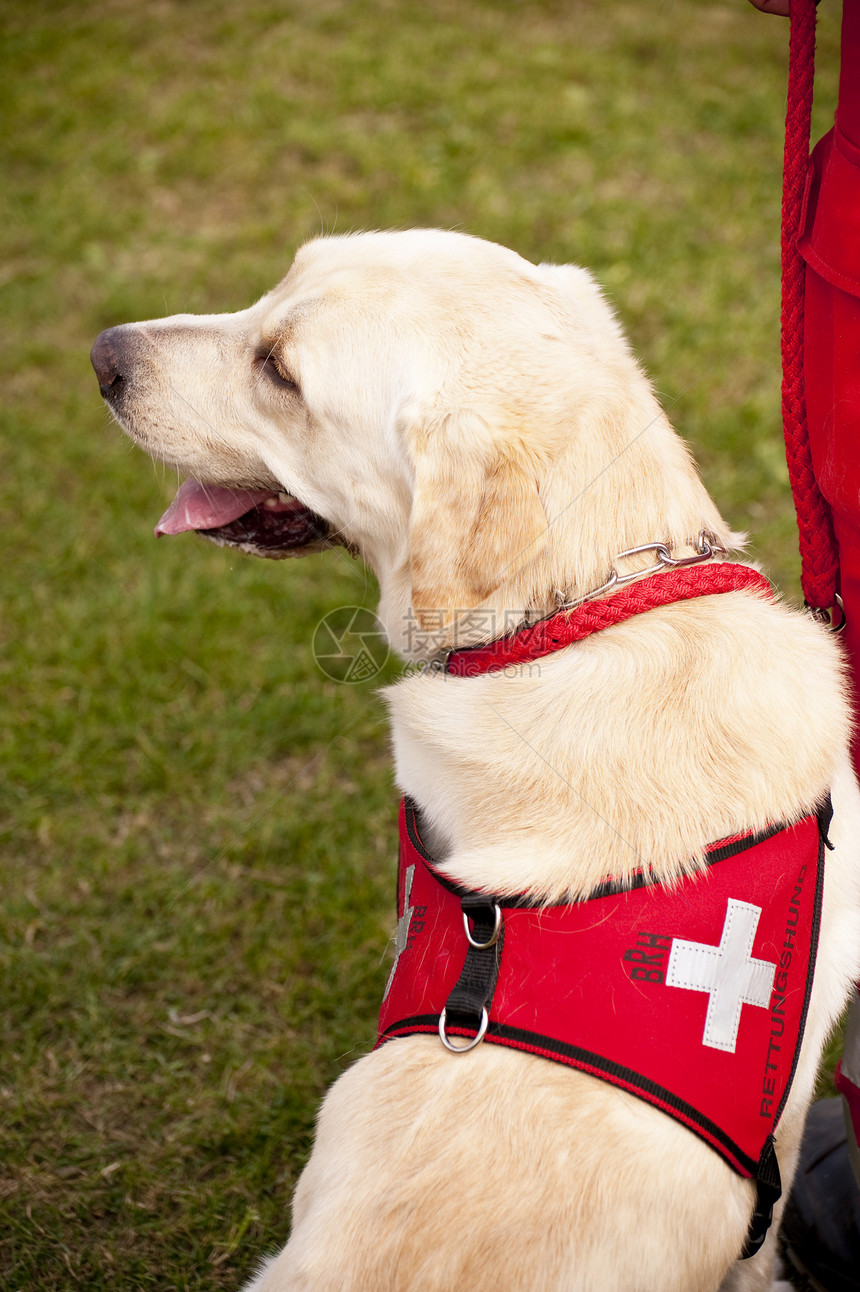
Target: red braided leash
(818, 552)
(572, 626)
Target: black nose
(109, 357)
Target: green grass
(197, 826)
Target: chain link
(706, 547)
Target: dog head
(472, 425)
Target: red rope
(572, 626)
(818, 552)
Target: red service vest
(691, 996)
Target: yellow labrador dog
(477, 429)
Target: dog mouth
(259, 521)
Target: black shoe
(820, 1235)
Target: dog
(476, 428)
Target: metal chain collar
(706, 547)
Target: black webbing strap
(768, 1193)
(473, 991)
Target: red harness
(691, 996)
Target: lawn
(198, 826)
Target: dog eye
(277, 373)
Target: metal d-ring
(825, 618)
(471, 1042)
(837, 628)
(494, 936)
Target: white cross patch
(401, 935)
(727, 972)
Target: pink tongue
(198, 506)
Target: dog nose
(108, 357)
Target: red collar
(570, 626)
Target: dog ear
(476, 520)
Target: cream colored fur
(478, 430)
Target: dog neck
(629, 749)
(568, 626)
